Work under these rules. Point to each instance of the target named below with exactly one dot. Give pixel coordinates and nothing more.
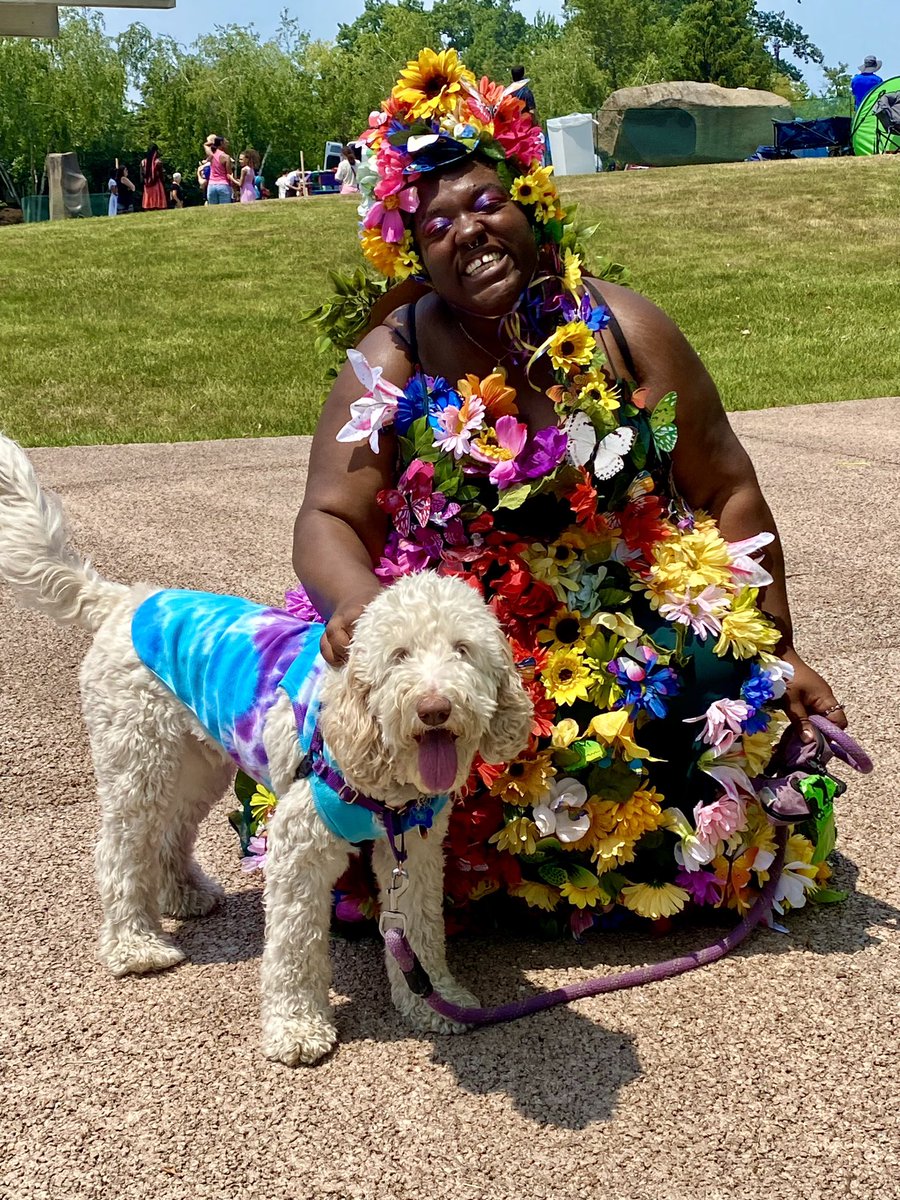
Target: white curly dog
(429, 682)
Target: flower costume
(634, 622)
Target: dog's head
(429, 682)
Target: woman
(218, 190)
(246, 181)
(346, 172)
(176, 192)
(522, 434)
(124, 195)
(154, 197)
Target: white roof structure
(40, 18)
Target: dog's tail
(35, 558)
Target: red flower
(643, 525)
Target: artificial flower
(704, 887)
(597, 391)
(571, 273)
(645, 684)
(525, 780)
(585, 896)
(499, 447)
(701, 613)
(641, 813)
(257, 854)
(533, 187)
(723, 721)
(566, 677)
(654, 900)
(566, 629)
(397, 260)
(691, 853)
(745, 630)
(537, 895)
(457, 424)
(388, 214)
(718, 821)
(561, 813)
(572, 345)
(498, 399)
(691, 562)
(518, 836)
(744, 567)
(375, 409)
(431, 83)
(615, 729)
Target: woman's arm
(713, 471)
(340, 531)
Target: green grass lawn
(183, 325)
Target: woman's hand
(809, 693)
(339, 630)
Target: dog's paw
(194, 899)
(298, 1040)
(140, 953)
(422, 1017)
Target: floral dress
(636, 629)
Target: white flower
(793, 886)
(723, 723)
(691, 853)
(746, 570)
(375, 409)
(780, 674)
(701, 612)
(561, 813)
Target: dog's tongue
(437, 760)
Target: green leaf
(548, 843)
(515, 496)
(827, 896)
(611, 884)
(553, 875)
(581, 877)
(244, 787)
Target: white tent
(40, 18)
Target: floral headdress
(437, 115)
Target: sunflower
(518, 836)
(654, 900)
(571, 276)
(566, 630)
(431, 84)
(397, 260)
(538, 895)
(535, 187)
(525, 780)
(571, 346)
(597, 391)
(566, 677)
(745, 630)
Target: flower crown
(437, 115)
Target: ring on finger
(834, 708)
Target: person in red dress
(152, 177)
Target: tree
(489, 35)
(777, 33)
(626, 35)
(721, 44)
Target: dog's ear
(510, 728)
(351, 731)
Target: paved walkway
(772, 1073)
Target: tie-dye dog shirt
(224, 658)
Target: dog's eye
(399, 655)
(463, 649)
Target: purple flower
(299, 605)
(542, 454)
(704, 886)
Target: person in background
(866, 80)
(524, 93)
(259, 182)
(124, 192)
(203, 172)
(113, 188)
(346, 172)
(176, 192)
(246, 181)
(218, 190)
(154, 197)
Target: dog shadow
(539, 1063)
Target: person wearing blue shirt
(867, 79)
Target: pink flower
(257, 853)
(701, 612)
(391, 167)
(723, 722)
(746, 570)
(388, 213)
(375, 409)
(718, 821)
(510, 438)
(298, 604)
(728, 771)
(458, 424)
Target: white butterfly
(609, 456)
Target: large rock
(670, 124)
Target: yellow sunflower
(538, 895)
(431, 84)
(535, 187)
(571, 346)
(518, 836)
(654, 900)
(566, 630)
(597, 391)
(571, 276)
(745, 630)
(566, 677)
(525, 781)
(397, 260)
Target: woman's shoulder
(651, 334)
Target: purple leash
(838, 742)
(418, 980)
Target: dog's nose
(433, 711)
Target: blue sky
(846, 30)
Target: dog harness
(225, 658)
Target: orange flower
(498, 399)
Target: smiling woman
(558, 444)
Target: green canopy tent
(868, 134)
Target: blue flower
(644, 685)
(757, 690)
(412, 404)
(441, 395)
(757, 721)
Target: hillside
(183, 325)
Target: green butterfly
(662, 424)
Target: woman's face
(476, 244)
